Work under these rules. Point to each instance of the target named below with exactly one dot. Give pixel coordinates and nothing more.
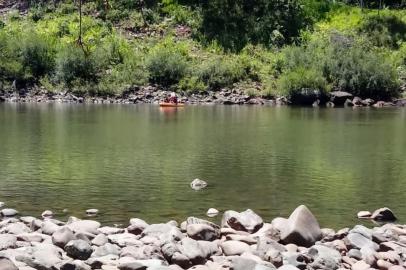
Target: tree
(235, 23)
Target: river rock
(7, 241)
(8, 212)
(192, 250)
(100, 240)
(360, 265)
(15, 228)
(240, 263)
(354, 253)
(288, 267)
(124, 239)
(383, 214)
(231, 248)
(62, 236)
(324, 257)
(75, 265)
(131, 266)
(137, 226)
(106, 249)
(78, 249)
(6, 264)
(198, 184)
(85, 226)
(47, 214)
(164, 232)
(358, 241)
(49, 228)
(301, 228)
(107, 230)
(92, 212)
(2, 204)
(43, 256)
(247, 221)
(201, 232)
(212, 212)
(364, 214)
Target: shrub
(384, 30)
(192, 84)
(302, 81)
(363, 73)
(37, 55)
(123, 76)
(221, 72)
(167, 63)
(11, 67)
(72, 64)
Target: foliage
(37, 54)
(167, 62)
(221, 71)
(73, 65)
(192, 84)
(236, 23)
(384, 30)
(300, 79)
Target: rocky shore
(153, 95)
(243, 241)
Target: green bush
(192, 84)
(167, 63)
(72, 64)
(123, 76)
(362, 72)
(218, 72)
(302, 81)
(11, 67)
(37, 55)
(384, 30)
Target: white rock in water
(8, 212)
(92, 212)
(212, 212)
(2, 204)
(47, 214)
(364, 214)
(198, 184)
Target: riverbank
(153, 95)
(243, 241)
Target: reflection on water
(132, 160)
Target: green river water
(138, 160)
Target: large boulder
(78, 249)
(192, 250)
(339, 97)
(247, 221)
(301, 228)
(62, 236)
(383, 214)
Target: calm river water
(138, 161)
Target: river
(138, 160)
